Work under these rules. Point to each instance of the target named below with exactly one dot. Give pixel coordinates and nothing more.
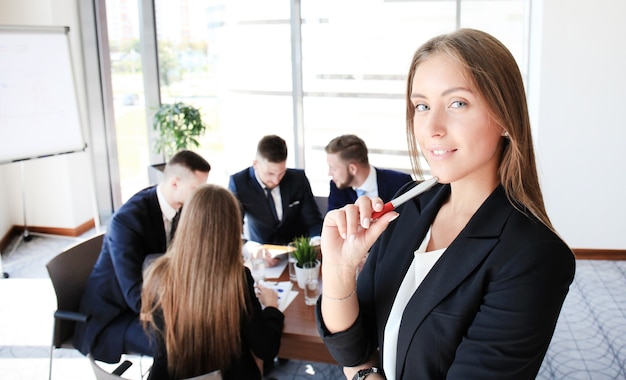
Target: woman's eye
(458, 104)
(421, 107)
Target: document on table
(276, 270)
(285, 292)
(277, 250)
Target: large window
(236, 60)
(188, 70)
(128, 95)
(252, 52)
(355, 65)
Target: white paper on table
(284, 291)
(292, 296)
(276, 270)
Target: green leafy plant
(179, 126)
(304, 251)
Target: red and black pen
(417, 190)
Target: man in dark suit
(140, 228)
(277, 203)
(353, 176)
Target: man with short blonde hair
(353, 176)
(141, 228)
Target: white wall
(58, 190)
(578, 98)
(5, 218)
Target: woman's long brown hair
(490, 66)
(199, 285)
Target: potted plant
(179, 125)
(304, 252)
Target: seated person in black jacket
(199, 302)
(142, 228)
(277, 202)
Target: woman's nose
(435, 122)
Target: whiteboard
(39, 113)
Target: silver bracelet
(363, 373)
(342, 298)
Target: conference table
(301, 340)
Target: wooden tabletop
(301, 340)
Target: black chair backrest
(322, 204)
(69, 272)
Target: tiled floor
(589, 341)
(27, 303)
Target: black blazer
(301, 216)
(486, 310)
(389, 182)
(113, 292)
(260, 334)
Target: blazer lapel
(259, 195)
(352, 195)
(404, 240)
(466, 252)
(255, 184)
(383, 186)
(156, 216)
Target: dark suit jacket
(486, 310)
(113, 295)
(389, 182)
(260, 333)
(301, 216)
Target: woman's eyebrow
(455, 89)
(446, 92)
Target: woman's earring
(506, 134)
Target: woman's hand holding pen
(348, 233)
(267, 296)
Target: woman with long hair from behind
(199, 301)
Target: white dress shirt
(422, 263)
(278, 201)
(167, 212)
(370, 185)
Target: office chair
(102, 374)
(322, 204)
(69, 272)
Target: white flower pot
(302, 274)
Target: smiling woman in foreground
(469, 279)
